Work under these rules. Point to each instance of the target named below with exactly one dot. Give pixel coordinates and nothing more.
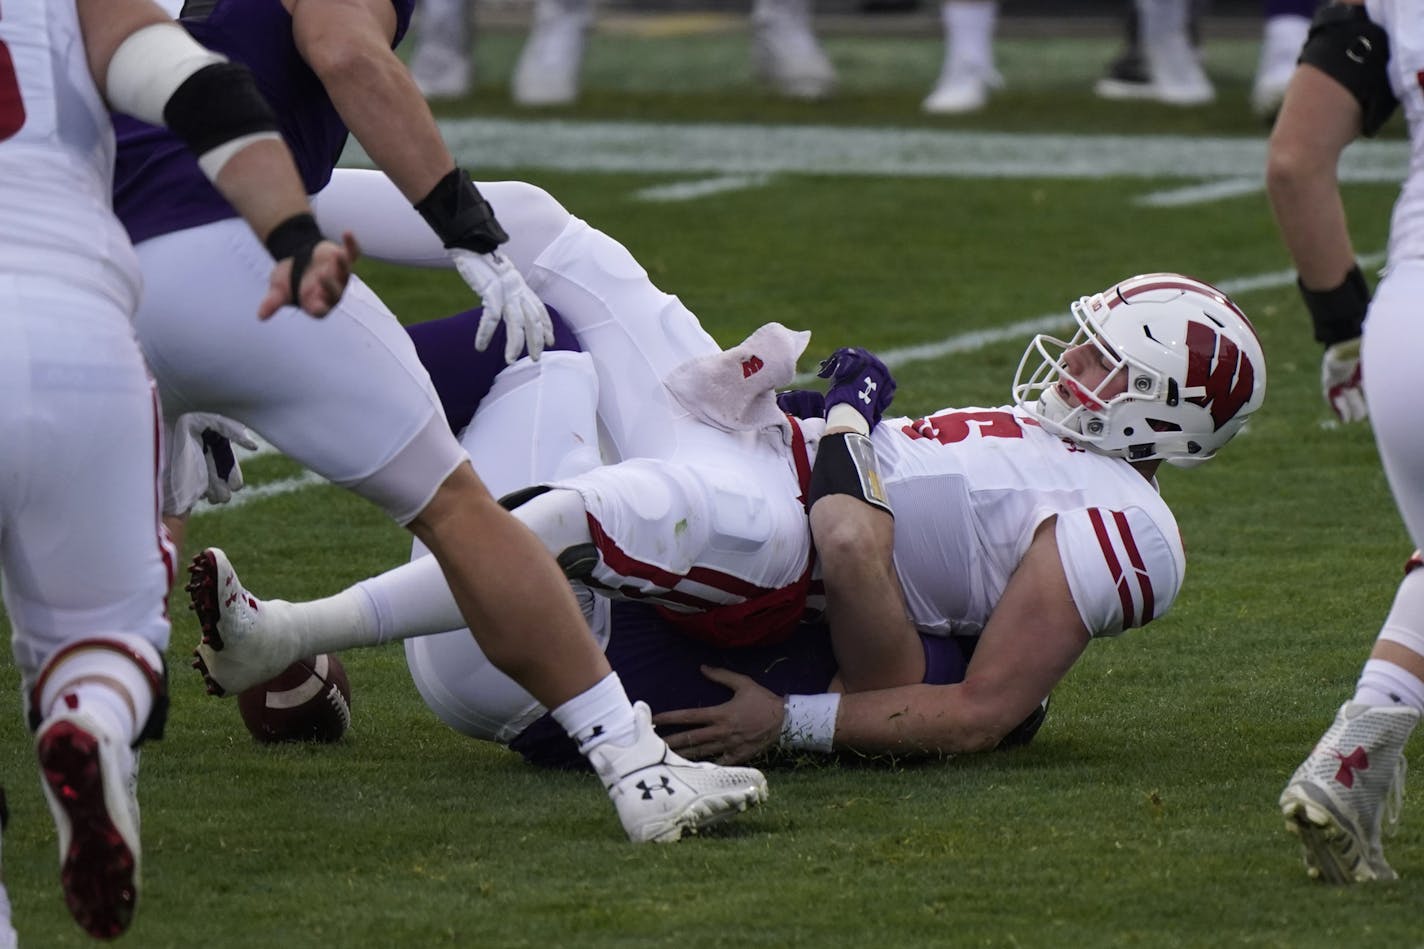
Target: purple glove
(802, 403)
(858, 379)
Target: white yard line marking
(690, 190)
(727, 149)
(258, 492)
(1200, 194)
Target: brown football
(310, 700)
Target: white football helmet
(1192, 362)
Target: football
(310, 700)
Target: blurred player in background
(87, 567)
(349, 398)
(785, 51)
(704, 511)
(1162, 60)
(1360, 62)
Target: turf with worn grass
(1144, 814)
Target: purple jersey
(158, 186)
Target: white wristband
(843, 415)
(810, 722)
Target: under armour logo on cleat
(666, 785)
(1356, 760)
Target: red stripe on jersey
(1134, 557)
(166, 548)
(1114, 566)
(619, 560)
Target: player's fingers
(352, 246)
(278, 291)
(732, 680)
(489, 320)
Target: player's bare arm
(1318, 119)
(144, 64)
(1033, 638)
(875, 643)
(347, 43)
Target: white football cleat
(244, 641)
(786, 53)
(89, 779)
(1337, 797)
(441, 72)
(961, 90)
(547, 73)
(660, 795)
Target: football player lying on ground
(1033, 526)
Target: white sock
(412, 600)
(1383, 683)
(969, 34)
(1282, 39)
(105, 683)
(602, 713)
(559, 519)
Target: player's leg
(1283, 34)
(1337, 798)
(637, 333)
(86, 572)
(968, 73)
(442, 62)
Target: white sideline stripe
(1200, 194)
(689, 190)
(258, 492)
(722, 149)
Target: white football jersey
(1402, 20)
(970, 487)
(57, 157)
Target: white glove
(1340, 381)
(506, 297)
(201, 463)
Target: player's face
(1093, 378)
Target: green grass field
(1143, 815)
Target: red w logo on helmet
(1217, 367)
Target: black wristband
(845, 464)
(1338, 315)
(460, 216)
(295, 237)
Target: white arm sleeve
(1124, 568)
(149, 66)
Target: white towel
(735, 390)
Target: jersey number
(957, 426)
(12, 107)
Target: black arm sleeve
(1349, 47)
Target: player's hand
(802, 403)
(321, 279)
(217, 434)
(741, 728)
(860, 380)
(1340, 381)
(508, 299)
